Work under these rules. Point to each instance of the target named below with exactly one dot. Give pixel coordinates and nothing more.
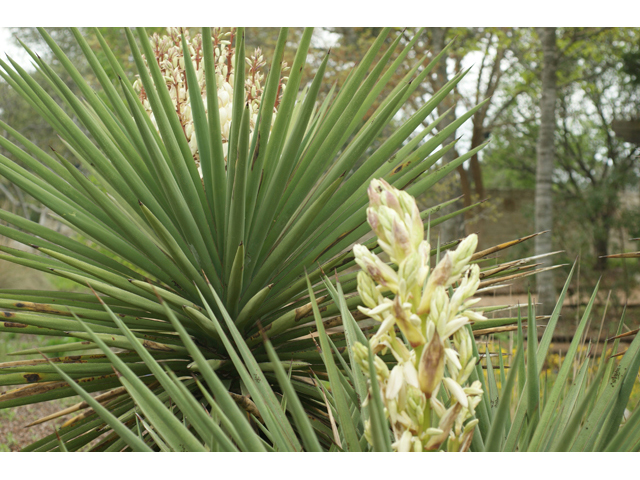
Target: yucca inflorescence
(169, 55)
(432, 321)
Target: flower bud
(417, 444)
(409, 270)
(382, 334)
(462, 256)
(377, 311)
(397, 221)
(414, 337)
(442, 271)
(473, 316)
(452, 358)
(374, 194)
(377, 269)
(446, 422)
(392, 410)
(382, 371)
(431, 367)
(404, 445)
(410, 374)
(453, 326)
(223, 116)
(439, 304)
(474, 389)
(367, 289)
(189, 131)
(468, 370)
(372, 218)
(401, 243)
(223, 98)
(361, 354)
(395, 383)
(423, 261)
(456, 391)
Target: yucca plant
(208, 241)
(586, 408)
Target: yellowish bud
(414, 337)
(431, 366)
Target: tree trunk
(474, 164)
(544, 168)
(604, 224)
(601, 245)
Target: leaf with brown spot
(335, 242)
(502, 246)
(156, 346)
(400, 167)
(626, 334)
(31, 377)
(493, 281)
(30, 390)
(79, 406)
(306, 310)
(622, 255)
(247, 405)
(41, 307)
(14, 325)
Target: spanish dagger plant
(213, 200)
(206, 190)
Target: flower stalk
(435, 348)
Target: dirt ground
(13, 434)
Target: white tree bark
(544, 168)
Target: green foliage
(631, 66)
(594, 169)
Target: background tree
(489, 51)
(544, 165)
(594, 171)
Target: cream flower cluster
(170, 57)
(432, 322)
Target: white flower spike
(433, 323)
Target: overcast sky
(8, 47)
